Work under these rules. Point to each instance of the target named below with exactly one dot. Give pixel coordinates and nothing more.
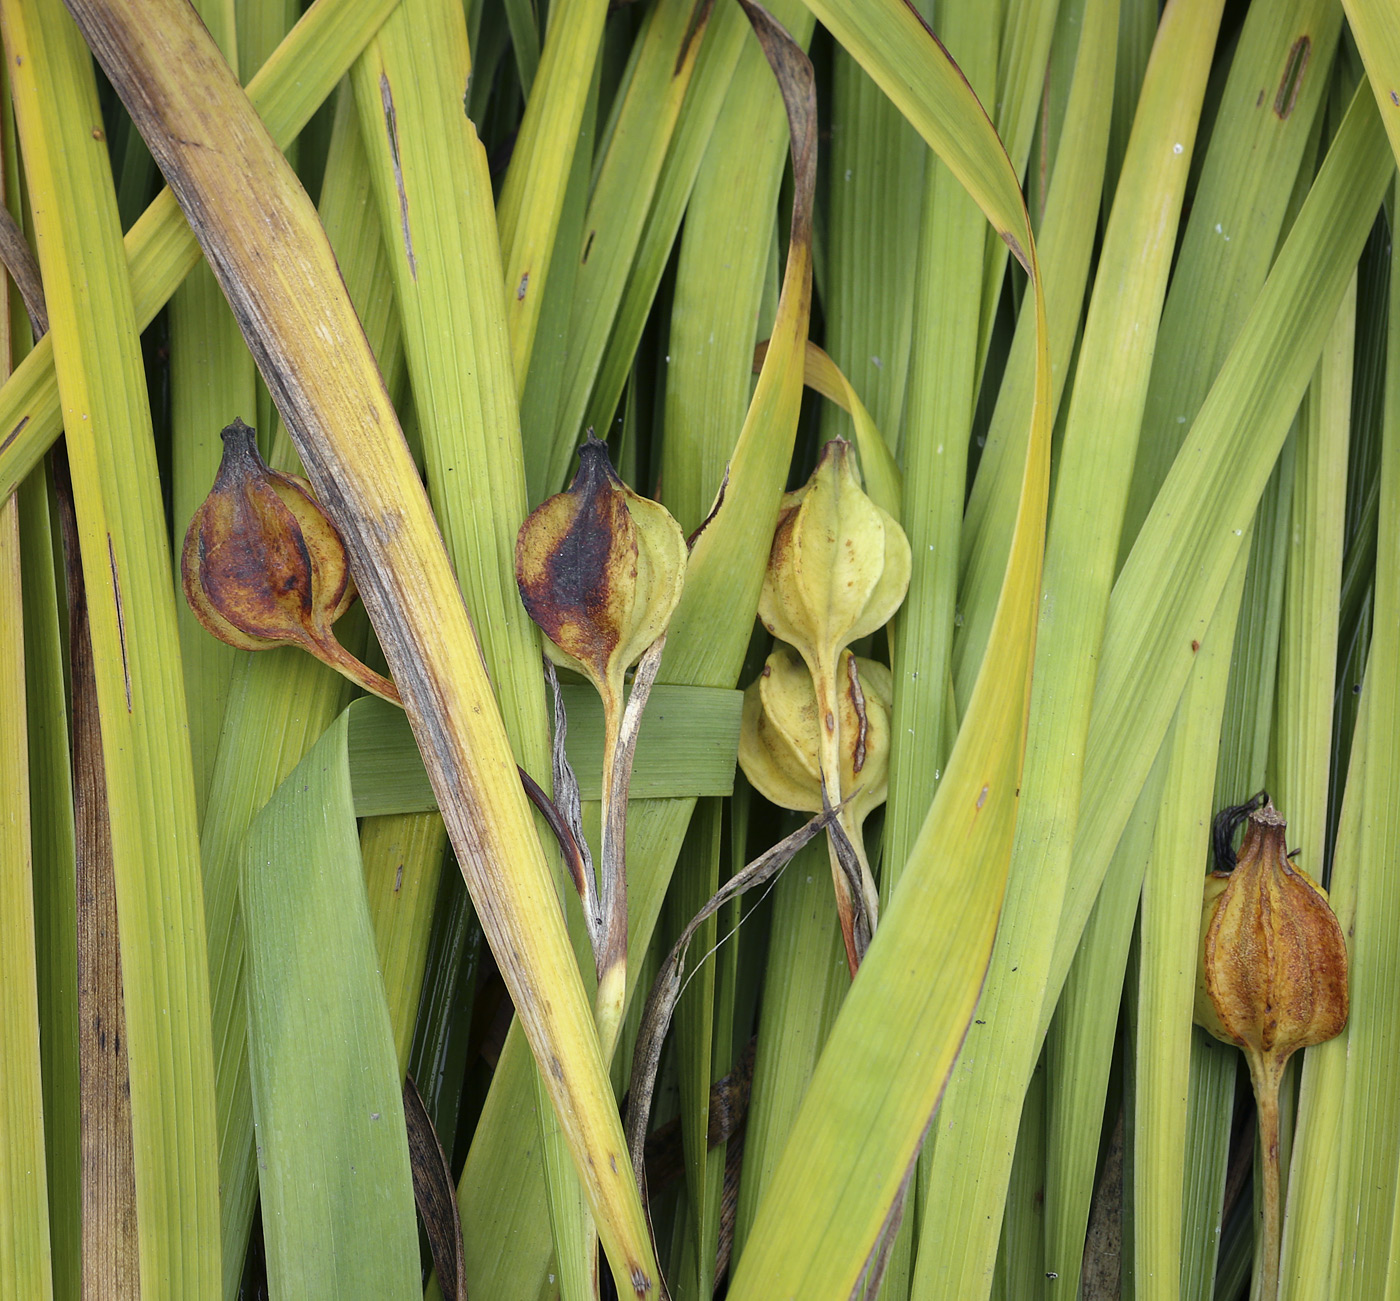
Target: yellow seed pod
(600, 569)
(1272, 976)
(839, 565)
(779, 737)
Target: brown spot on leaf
(14, 433)
(699, 17)
(1291, 84)
(1017, 251)
(386, 98)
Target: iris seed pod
(781, 743)
(600, 569)
(839, 566)
(1273, 968)
(779, 737)
(1272, 978)
(263, 565)
(837, 570)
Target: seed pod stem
(858, 912)
(1266, 1074)
(330, 652)
(619, 749)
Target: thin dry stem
(619, 749)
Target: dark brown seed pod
(263, 565)
(600, 569)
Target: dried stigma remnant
(263, 565)
(1272, 976)
(838, 570)
(600, 570)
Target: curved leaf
(875, 1089)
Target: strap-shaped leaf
(24, 1266)
(970, 1166)
(1370, 1138)
(1377, 36)
(140, 695)
(333, 1164)
(686, 748)
(261, 235)
(533, 196)
(873, 1092)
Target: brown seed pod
(263, 565)
(600, 569)
(1272, 978)
(1273, 969)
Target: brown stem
(332, 653)
(1265, 1075)
(855, 900)
(620, 747)
(661, 1002)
